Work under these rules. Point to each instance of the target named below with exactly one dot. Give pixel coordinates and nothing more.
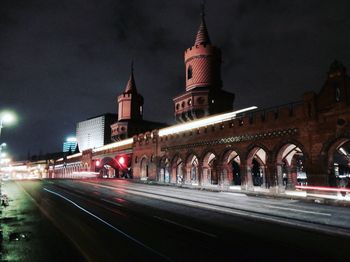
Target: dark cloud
(64, 61)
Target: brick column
(247, 182)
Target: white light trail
(108, 224)
(343, 151)
(75, 155)
(124, 142)
(202, 122)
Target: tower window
(337, 94)
(189, 72)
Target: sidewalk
(27, 235)
(320, 198)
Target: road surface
(117, 220)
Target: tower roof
(337, 66)
(131, 86)
(202, 34)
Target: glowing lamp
(8, 117)
(98, 163)
(121, 160)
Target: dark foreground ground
(116, 220)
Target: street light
(6, 118)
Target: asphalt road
(116, 220)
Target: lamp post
(6, 118)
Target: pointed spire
(131, 86)
(202, 34)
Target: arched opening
(210, 175)
(144, 168)
(177, 170)
(164, 171)
(108, 168)
(192, 169)
(256, 164)
(233, 162)
(291, 166)
(339, 163)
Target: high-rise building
(70, 144)
(95, 131)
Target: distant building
(70, 144)
(95, 132)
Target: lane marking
(110, 225)
(298, 210)
(111, 202)
(184, 226)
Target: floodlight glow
(3, 154)
(3, 145)
(124, 142)
(202, 122)
(121, 160)
(7, 117)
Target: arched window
(189, 72)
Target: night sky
(64, 61)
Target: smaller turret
(130, 103)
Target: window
(189, 72)
(337, 94)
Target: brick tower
(130, 113)
(204, 95)
(130, 108)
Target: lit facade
(288, 146)
(203, 95)
(94, 132)
(70, 145)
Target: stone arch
(164, 170)
(231, 167)
(192, 168)
(177, 169)
(108, 168)
(144, 167)
(209, 164)
(290, 164)
(337, 152)
(257, 158)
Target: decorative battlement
(201, 50)
(246, 121)
(125, 95)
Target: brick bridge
(272, 148)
